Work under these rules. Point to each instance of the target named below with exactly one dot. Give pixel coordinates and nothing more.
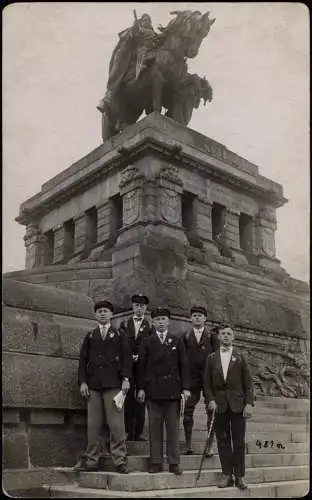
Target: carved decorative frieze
(129, 174)
(171, 173)
(278, 365)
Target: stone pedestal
(152, 190)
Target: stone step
(280, 438)
(279, 402)
(268, 410)
(269, 426)
(263, 418)
(265, 410)
(192, 462)
(142, 481)
(276, 489)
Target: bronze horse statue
(148, 71)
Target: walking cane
(205, 449)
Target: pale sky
(55, 68)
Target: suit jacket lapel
(232, 360)
(97, 332)
(131, 327)
(144, 325)
(219, 365)
(205, 335)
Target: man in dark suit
(163, 375)
(105, 367)
(136, 329)
(199, 343)
(229, 389)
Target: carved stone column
(103, 221)
(34, 243)
(265, 227)
(58, 253)
(232, 238)
(80, 233)
(203, 224)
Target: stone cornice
(133, 149)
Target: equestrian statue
(148, 71)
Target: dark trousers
(230, 433)
(162, 412)
(134, 414)
(188, 420)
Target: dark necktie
(162, 336)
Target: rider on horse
(139, 39)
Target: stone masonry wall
(43, 415)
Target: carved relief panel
(131, 207)
(170, 206)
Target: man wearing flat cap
(199, 343)
(135, 329)
(105, 367)
(163, 376)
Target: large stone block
(38, 381)
(43, 333)
(47, 299)
(46, 417)
(14, 448)
(55, 446)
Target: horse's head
(186, 32)
(198, 28)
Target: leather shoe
(122, 469)
(240, 483)
(139, 438)
(91, 468)
(209, 454)
(225, 481)
(189, 451)
(154, 468)
(175, 469)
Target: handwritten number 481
(271, 443)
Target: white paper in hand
(119, 400)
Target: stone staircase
(277, 463)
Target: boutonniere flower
(141, 329)
(169, 341)
(112, 335)
(174, 348)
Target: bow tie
(225, 349)
(137, 319)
